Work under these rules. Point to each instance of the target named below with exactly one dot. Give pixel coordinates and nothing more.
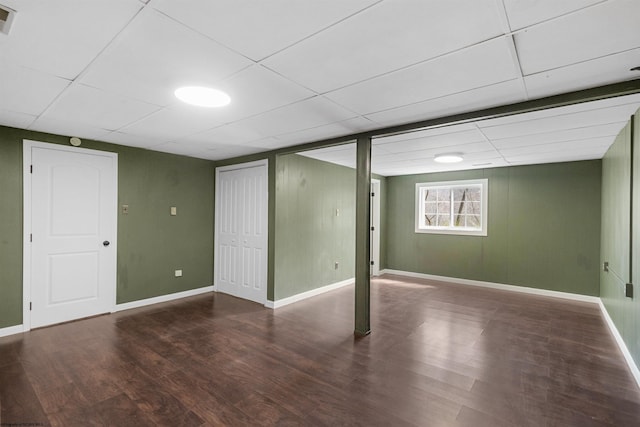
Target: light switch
(174, 211)
(125, 209)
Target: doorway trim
(375, 236)
(216, 249)
(27, 145)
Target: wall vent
(6, 18)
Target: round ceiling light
(448, 158)
(202, 96)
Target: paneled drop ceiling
(299, 72)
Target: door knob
(105, 243)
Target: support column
(363, 234)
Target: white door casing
(375, 224)
(70, 210)
(240, 265)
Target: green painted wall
(151, 243)
(620, 234)
(631, 318)
(543, 229)
(383, 219)
(309, 236)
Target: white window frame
(484, 203)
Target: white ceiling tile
(332, 130)
(27, 91)
(229, 152)
(580, 146)
(302, 115)
(629, 100)
(16, 120)
(169, 124)
(155, 55)
(560, 122)
(228, 134)
(523, 13)
(62, 37)
(595, 153)
(180, 149)
(424, 133)
(383, 38)
(607, 130)
(605, 29)
(433, 142)
(256, 90)
(600, 71)
(96, 108)
(267, 144)
(475, 99)
(129, 140)
(446, 75)
(420, 168)
(68, 127)
(266, 27)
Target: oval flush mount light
(202, 96)
(448, 158)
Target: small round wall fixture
(202, 96)
(449, 158)
(75, 141)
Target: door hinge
(373, 194)
(31, 237)
(373, 228)
(628, 290)
(30, 306)
(373, 263)
(31, 169)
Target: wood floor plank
(440, 354)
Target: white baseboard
(501, 286)
(308, 294)
(11, 330)
(162, 298)
(621, 344)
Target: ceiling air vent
(6, 19)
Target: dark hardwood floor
(439, 355)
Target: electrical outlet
(178, 273)
(628, 290)
(174, 211)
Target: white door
(241, 232)
(375, 227)
(70, 216)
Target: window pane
(473, 221)
(451, 207)
(444, 194)
(443, 207)
(430, 220)
(474, 208)
(459, 194)
(460, 208)
(474, 194)
(429, 195)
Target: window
(453, 207)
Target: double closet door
(240, 266)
